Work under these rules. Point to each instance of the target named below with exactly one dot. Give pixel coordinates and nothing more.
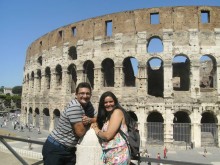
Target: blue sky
(23, 21)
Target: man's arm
(79, 129)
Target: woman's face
(109, 103)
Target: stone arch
(72, 77)
(48, 77)
(155, 128)
(208, 72)
(88, 67)
(154, 45)
(108, 72)
(37, 117)
(46, 119)
(56, 115)
(30, 116)
(182, 128)
(209, 129)
(155, 73)
(58, 71)
(181, 73)
(129, 73)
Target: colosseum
(177, 102)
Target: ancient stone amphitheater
(177, 102)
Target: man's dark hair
(83, 85)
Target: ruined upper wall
(129, 23)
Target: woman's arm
(114, 125)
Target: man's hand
(86, 120)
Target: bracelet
(89, 120)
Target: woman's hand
(95, 127)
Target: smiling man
(60, 146)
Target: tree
(17, 90)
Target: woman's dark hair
(104, 115)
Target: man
(60, 146)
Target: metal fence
(155, 133)
(182, 132)
(212, 129)
(142, 159)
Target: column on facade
(36, 84)
(142, 123)
(29, 87)
(195, 80)
(217, 42)
(98, 78)
(43, 83)
(168, 121)
(66, 89)
(53, 83)
(196, 126)
(81, 77)
(51, 127)
(119, 76)
(142, 83)
(218, 81)
(41, 121)
(218, 127)
(168, 85)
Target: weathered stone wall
(181, 32)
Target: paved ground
(194, 155)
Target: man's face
(83, 96)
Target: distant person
(165, 152)
(205, 152)
(29, 143)
(158, 157)
(109, 120)
(60, 146)
(38, 130)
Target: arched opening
(56, 115)
(129, 70)
(208, 75)
(46, 119)
(89, 72)
(155, 45)
(209, 130)
(155, 77)
(108, 72)
(39, 60)
(58, 75)
(37, 117)
(155, 128)
(32, 80)
(72, 78)
(72, 53)
(47, 77)
(181, 73)
(30, 116)
(182, 128)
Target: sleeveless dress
(115, 151)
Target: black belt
(56, 143)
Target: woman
(109, 120)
